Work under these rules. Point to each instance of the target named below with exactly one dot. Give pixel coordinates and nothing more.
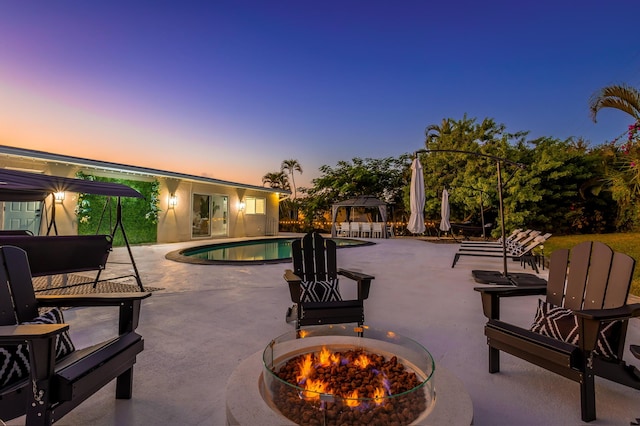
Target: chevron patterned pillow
(320, 291)
(14, 359)
(560, 323)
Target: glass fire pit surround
(332, 375)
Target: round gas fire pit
(335, 375)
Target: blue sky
(229, 89)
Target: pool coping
(177, 255)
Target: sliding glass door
(219, 214)
(210, 214)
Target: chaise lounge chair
(513, 247)
(523, 255)
(511, 237)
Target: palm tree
(433, 132)
(623, 177)
(276, 180)
(622, 97)
(290, 166)
(279, 180)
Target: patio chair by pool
(313, 285)
(365, 229)
(376, 230)
(520, 240)
(523, 255)
(354, 229)
(344, 229)
(42, 374)
(579, 330)
(515, 248)
(509, 237)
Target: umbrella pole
(504, 246)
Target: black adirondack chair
(593, 285)
(313, 285)
(56, 385)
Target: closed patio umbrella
(445, 225)
(416, 196)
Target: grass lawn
(624, 243)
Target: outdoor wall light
(241, 206)
(173, 201)
(59, 196)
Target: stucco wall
(175, 223)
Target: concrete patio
(209, 318)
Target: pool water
(270, 250)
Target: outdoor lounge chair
(509, 237)
(520, 239)
(313, 285)
(42, 374)
(514, 248)
(579, 330)
(523, 255)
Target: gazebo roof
(361, 201)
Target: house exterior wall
(175, 223)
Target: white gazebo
(367, 201)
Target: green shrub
(97, 214)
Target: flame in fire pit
(313, 389)
(305, 367)
(326, 357)
(343, 382)
(362, 361)
(352, 399)
(378, 396)
(314, 371)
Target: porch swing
(63, 254)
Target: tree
(433, 132)
(279, 180)
(467, 177)
(382, 178)
(548, 194)
(545, 195)
(276, 180)
(622, 97)
(622, 162)
(290, 167)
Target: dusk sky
(229, 89)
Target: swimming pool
(259, 251)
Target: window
(254, 205)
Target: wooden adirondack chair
(56, 384)
(313, 284)
(589, 290)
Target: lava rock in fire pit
(348, 388)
